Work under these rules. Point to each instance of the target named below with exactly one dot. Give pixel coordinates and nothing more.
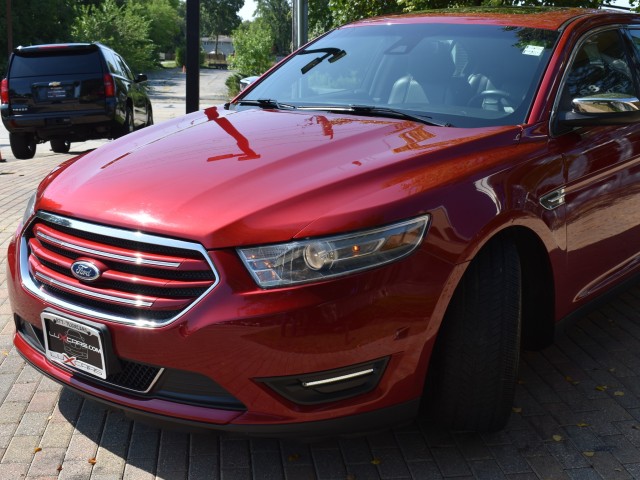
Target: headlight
(28, 212)
(321, 258)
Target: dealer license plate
(74, 344)
(56, 93)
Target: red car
(370, 232)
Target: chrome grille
(144, 279)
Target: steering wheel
(498, 94)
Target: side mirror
(141, 77)
(605, 109)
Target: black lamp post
(193, 56)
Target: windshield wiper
(333, 54)
(377, 111)
(266, 103)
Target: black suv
(65, 93)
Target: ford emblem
(86, 271)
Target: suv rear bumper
(78, 125)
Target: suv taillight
(109, 88)
(4, 91)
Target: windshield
(454, 74)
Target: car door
(602, 191)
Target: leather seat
(430, 79)
(480, 83)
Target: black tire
(60, 145)
(474, 366)
(149, 116)
(23, 145)
(127, 126)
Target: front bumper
(189, 419)
(239, 341)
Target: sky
(246, 12)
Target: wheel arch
(538, 287)
(541, 252)
(538, 281)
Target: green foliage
(344, 11)
(233, 84)
(121, 28)
(277, 15)
(219, 17)
(181, 56)
(253, 43)
(35, 22)
(319, 18)
(164, 22)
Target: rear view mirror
(605, 109)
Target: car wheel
(127, 126)
(60, 146)
(472, 375)
(23, 145)
(149, 116)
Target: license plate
(56, 93)
(74, 344)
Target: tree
(319, 18)
(35, 22)
(219, 17)
(277, 15)
(252, 42)
(164, 21)
(344, 11)
(122, 28)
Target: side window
(600, 67)
(124, 68)
(112, 62)
(634, 33)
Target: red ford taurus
(370, 232)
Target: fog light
(329, 385)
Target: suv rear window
(50, 63)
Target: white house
(225, 46)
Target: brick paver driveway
(576, 414)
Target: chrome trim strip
(120, 387)
(88, 293)
(100, 253)
(348, 376)
(133, 236)
(30, 285)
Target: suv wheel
(473, 371)
(127, 126)
(23, 145)
(149, 116)
(60, 146)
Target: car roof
(56, 48)
(543, 18)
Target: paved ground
(576, 414)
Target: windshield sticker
(534, 50)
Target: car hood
(257, 176)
